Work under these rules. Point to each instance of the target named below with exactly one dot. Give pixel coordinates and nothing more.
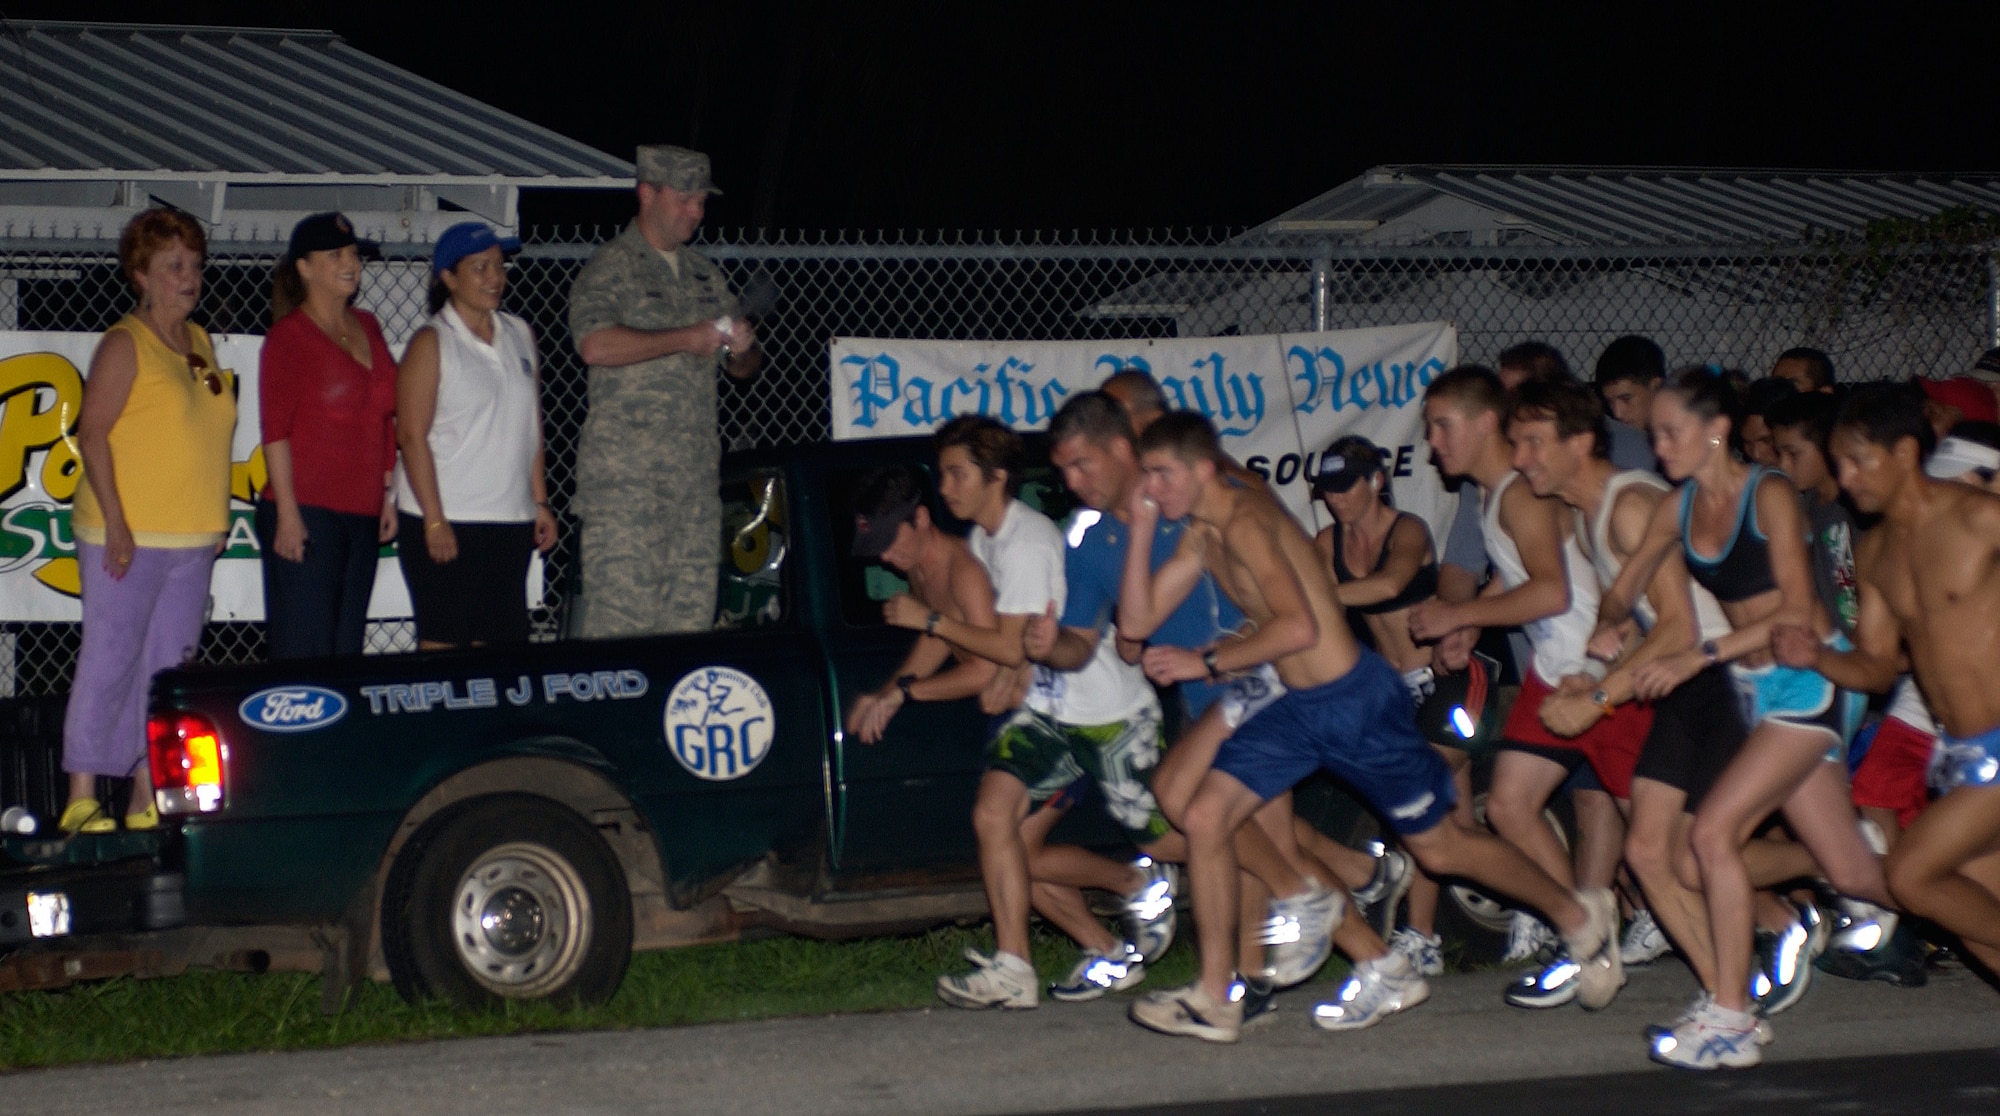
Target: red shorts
(1612, 745)
(1892, 775)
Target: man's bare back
(1940, 577)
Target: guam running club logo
(719, 723)
(292, 708)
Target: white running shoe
(1713, 1037)
(1644, 942)
(1529, 941)
(1148, 921)
(1596, 949)
(1191, 1011)
(1300, 933)
(1096, 974)
(1424, 952)
(1702, 1001)
(1002, 980)
(1374, 991)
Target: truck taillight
(188, 759)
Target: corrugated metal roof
(1619, 206)
(98, 101)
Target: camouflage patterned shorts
(1051, 757)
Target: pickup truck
(510, 823)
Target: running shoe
(1897, 958)
(1425, 952)
(1644, 942)
(1788, 963)
(1702, 1002)
(1096, 974)
(1384, 891)
(1596, 950)
(1549, 987)
(1714, 1037)
(1259, 998)
(1148, 920)
(1300, 933)
(1190, 1011)
(1374, 991)
(1529, 941)
(1002, 980)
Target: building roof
(1617, 206)
(81, 101)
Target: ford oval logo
(292, 708)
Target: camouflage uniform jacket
(651, 430)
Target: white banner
(1277, 400)
(41, 390)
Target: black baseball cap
(1345, 464)
(874, 534)
(328, 232)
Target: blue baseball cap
(469, 238)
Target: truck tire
(510, 898)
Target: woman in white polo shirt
(470, 489)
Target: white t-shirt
(1024, 560)
(487, 424)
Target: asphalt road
(1846, 1048)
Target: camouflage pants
(649, 565)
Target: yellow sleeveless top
(169, 448)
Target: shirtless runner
(1345, 709)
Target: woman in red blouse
(327, 396)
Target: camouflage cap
(676, 168)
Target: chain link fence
(1920, 312)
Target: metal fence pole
(1321, 280)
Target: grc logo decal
(292, 708)
(719, 723)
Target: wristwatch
(904, 683)
(1208, 660)
(930, 625)
(1601, 698)
(1710, 652)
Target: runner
(1546, 586)
(1930, 575)
(1696, 728)
(1344, 709)
(1742, 535)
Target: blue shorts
(1801, 699)
(1966, 761)
(1196, 697)
(1360, 728)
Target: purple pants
(133, 628)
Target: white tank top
(487, 424)
(1907, 705)
(1560, 640)
(1707, 612)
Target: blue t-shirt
(1094, 564)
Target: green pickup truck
(486, 824)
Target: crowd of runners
(1706, 580)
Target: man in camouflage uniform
(653, 318)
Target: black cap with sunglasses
(1347, 462)
(328, 232)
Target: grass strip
(217, 1012)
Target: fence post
(1322, 266)
(1992, 296)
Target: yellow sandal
(85, 815)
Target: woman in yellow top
(150, 517)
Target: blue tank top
(1743, 569)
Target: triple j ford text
(1277, 400)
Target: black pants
(318, 606)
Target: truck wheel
(515, 898)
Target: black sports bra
(1423, 584)
(1743, 569)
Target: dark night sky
(981, 116)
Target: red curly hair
(153, 230)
